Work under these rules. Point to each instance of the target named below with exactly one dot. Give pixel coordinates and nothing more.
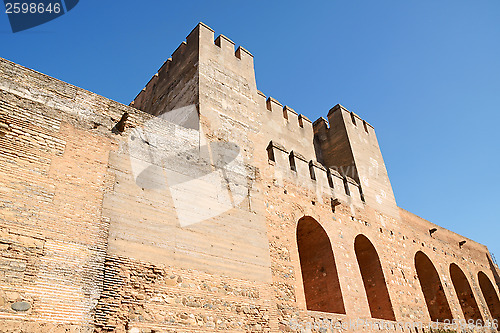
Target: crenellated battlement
(303, 119)
(154, 98)
(349, 144)
(311, 174)
(227, 47)
(285, 122)
(158, 96)
(288, 113)
(224, 43)
(342, 141)
(355, 120)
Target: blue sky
(425, 73)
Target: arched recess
(464, 293)
(435, 298)
(319, 272)
(490, 295)
(373, 279)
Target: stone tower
(349, 145)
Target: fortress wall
(151, 218)
(81, 241)
(92, 241)
(443, 248)
(54, 154)
(145, 297)
(396, 240)
(232, 109)
(288, 203)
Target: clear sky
(425, 73)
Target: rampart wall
(241, 216)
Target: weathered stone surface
(3, 298)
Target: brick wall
(54, 142)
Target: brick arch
(464, 293)
(435, 298)
(373, 279)
(319, 271)
(490, 295)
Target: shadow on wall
(435, 298)
(319, 272)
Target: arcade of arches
(323, 291)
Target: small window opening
(311, 171)
(291, 158)
(270, 153)
(346, 187)
(330, 180)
